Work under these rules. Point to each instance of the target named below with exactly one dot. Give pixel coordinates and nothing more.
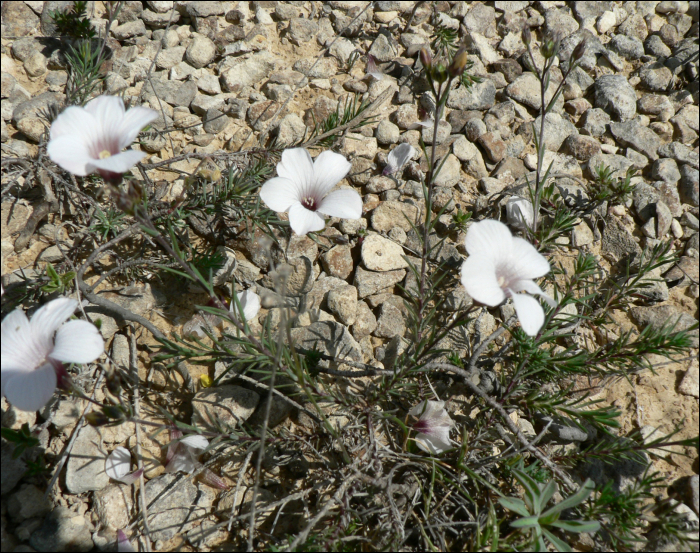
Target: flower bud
(579, 51)
(95, 418)
(550, 46)
(527, 36)
(426, 58)
(439, 73)
(459, 63)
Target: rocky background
(226, 75)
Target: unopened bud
(578, 52)
(95, 418)
(113, 412)
(527, 36)
(440, 73)
(550, 47)
(459, 63)
(426, 58)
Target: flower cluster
(33, 352)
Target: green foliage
(613, 190)
(74, 22)
(22, 439)
(110, 222)
(540, 523)
(57, 283)
(461, 218)
(351, 108)
(85, 62)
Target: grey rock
(205, 9)
(556, 130)
(645, 197)
(27, 502)
(594, 122)
(175, 505)
(131, 11)
(632, 133)
(32, 108)
(19, 20)
(443, 132)
(615, 95)
(581, 147)
(618, 243)
(693, 494)
(209, 84)
(630, 48)
(324, 69)
(680, 152)
(526, 90)
(224, 405)
(160, 20)
(381, 254)
(560, 23)
(291, 130)
(62, 530)
(302, 30)
(215, 121)
(365, 321)
(392, 214)
(663, 219)
(387, 133)
(12, 469)
(369, 282)
(493, 145)
(634, 26)
(391, 321)
(243, 73)
(449, 175)
(656, 104)
(337, 261)
(480, 96)
(177, 94)
(510, 68)
(200, 52)
(113, 505)
(85, 467)
(659, 315)
(654, 46)
(474, 128)
(384, 48)
(688, 187)
(656, 76)
(666, 170)
(129, 30)
(563, 432)
(481, 19)
(332, 339)
(342, 302)
(668, 193)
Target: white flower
(32, 352)
(91, 139)
(372, 70)
(303, 188)
(398, 157)
(123, 543)
(520, 212)
(499, 265)
(118, 465)
(182, 452)
(433, 426)
(250, 303)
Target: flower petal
(398, 157)
(530, 313)
(109, 113)
(526, 261)
(329, 169)
(118, 163)
(182, 460)
(30, 391)
(479, 278)
(344, 203)
(250, 302)
(118, 463)
(20, 351)
(491, 238)
(280, 193)
(135, 119)
(196, 441)
(296, 165)
(520, 212)
(532, 288)
(304, 221)
(47, 319)
(69, 153)
(433, 444)
(78, 342)
(74, 121)
(123, 543)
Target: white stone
(381, 254)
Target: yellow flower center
(104, 154)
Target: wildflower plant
(476, 334)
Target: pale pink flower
(433, 426)
(500, 265)
(182, 452)
(91, 139)
(398, 157)
(303, 189)
(118, 465)
(520, 213)
(250, 303)
(372, 70)
(33, 351)
(123, 543)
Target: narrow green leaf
(514, 504)
(577, 526)
(527, 522)
(560, 544)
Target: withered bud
(127, 200)
(113, 412)
(578, 52)
(550, 46)
(527, 35)
(459, 63)
(114, 384)
(426, 58)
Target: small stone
(338, 262)
(369, 283)
(35, 65)
(444, 130)
(676, 229)
(660, 315)
(27, 502)
(630, 48)
(449, 174)
(112, 505)
(85, 467)
(331, 338)
(474, 128)
(614, 94)
(392, 214)
(200, 52)
(63, 530)
(618, 243)
(666, 170)
(387, 133)
(582, 235)
(384, 48)
(526, 90)
(365, 321)
(632, 133)
(494, 146)
(480, 96)
(342, 302)
(129, 30)
(594, 122)
(215, 121)
(656, 76)
(380, 254)
(390, 322)
(324, 69)
(556, 130)
(358, 145)
(225, 406)
(291, 130)
(302, 30)
(581, 147)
